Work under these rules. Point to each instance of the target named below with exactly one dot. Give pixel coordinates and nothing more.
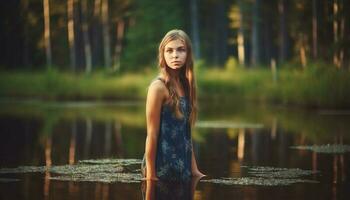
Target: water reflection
(240, 145)
(48, 163)
(252, 136)
(159, 190)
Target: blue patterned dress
(174, 146)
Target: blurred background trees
(123, 35)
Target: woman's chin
(175, 67)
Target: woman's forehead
(175, 44)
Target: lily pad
(105, 170)
(123, 162)
(257, 181)
(101, 177)
(85, 169)
(267, 176)
(328, 148)
(106, 173)
(275, 172)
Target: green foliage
(318, 85)
(62, 85)
(231, 64)
(152, 20)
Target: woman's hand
(195, 170)
(199, 174)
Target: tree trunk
(24, 5)
(268, 34)
(119, 44)
(336, 54)
(106, 34)
(283, 42)
(342, 34)
(96, 34)
(346, 33)
(71, 35)
(255, 58)
(194, 28)
(314, 29)
(87, 46)
(47, 38)
(302, 50)
(223, 32)
(240, 47)
(216, 35)
(240, 36)
(220, 34)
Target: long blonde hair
(187, 76)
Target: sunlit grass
(315, 86)
(66, 86)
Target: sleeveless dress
(174, 145)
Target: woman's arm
(195, 170)
(154, 102)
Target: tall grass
(67, 86)
(316, 85)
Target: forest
(273, 88)
(121, 37)
(124, 34)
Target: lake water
(92, 150)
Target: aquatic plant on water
(267, 176)
(328, 148)
(104, 170)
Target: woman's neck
(175, 74)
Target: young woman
(171, 111)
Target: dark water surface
(83, 151)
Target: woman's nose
(175, 54)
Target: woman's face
(175, 54)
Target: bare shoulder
(157, 89)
